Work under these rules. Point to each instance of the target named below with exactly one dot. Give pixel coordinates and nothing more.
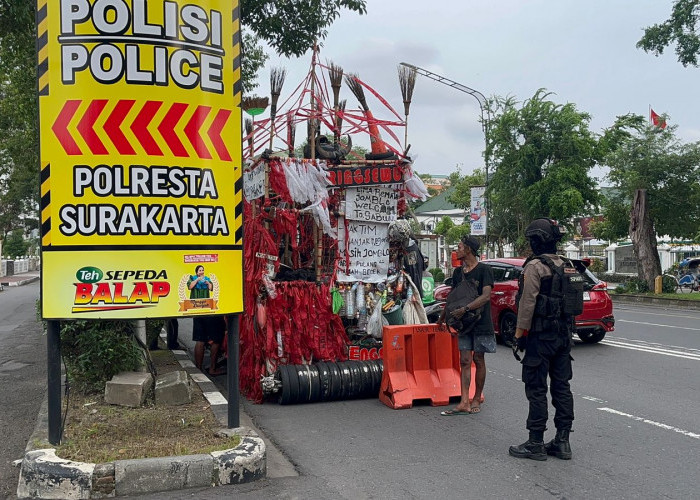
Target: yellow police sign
(141, 183)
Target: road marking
(656, 324)
(595, 400)
(653, 350)
(657, 344)
(652, 422)
(637, 312)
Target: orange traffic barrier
(420, 362)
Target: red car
(591, 326)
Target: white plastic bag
(376, 322)
(413, 310)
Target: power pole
(485, 118)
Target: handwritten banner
(254, 183)
(371, 204)
(367, 256)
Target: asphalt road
(637, 431)
(22, 377)
(637, 428)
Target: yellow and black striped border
(45, 206)
(237, 91)
(42, 47)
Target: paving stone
(128, 388)
(173, 389)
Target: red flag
(657, 120)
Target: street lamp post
(485, 119)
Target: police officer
(546, 339)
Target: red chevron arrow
(87, 123)
(214, 133)
(113, 124)
(167, 129)
(60, 127)
(192, 131)
(140, 127)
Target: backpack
(461, 295)
(557, 309)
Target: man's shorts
(206, 328)
(477, 342)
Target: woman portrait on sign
(199, 285)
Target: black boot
(559, 446)
(532, 449)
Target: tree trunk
(644, 239)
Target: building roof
(437, 203)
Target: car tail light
(600, 287)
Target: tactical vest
(560, 299)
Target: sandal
(455, 412)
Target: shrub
(668, 284)
(597, 266)
(153, 328)
(636, 285)
(438, 275)
(96, 350)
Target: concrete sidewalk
(20, 279)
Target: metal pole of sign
(53, 349)
(232, 366)
(485, 118)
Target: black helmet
(546, 230)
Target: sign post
(140, 151)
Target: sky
(582, 52)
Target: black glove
(518, 344)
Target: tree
(290, 28)
(541, 155)
(656, 177)
(19, 176)
(15, 246)
(253, 58)
(681, 28)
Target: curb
(44, 475)
(21, 282)
(626, 298)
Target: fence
(10, 267)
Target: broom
(407, 82)
(254, 106)
(249, 133)
(291, 133)
(335, 74)
(375, 139)
(277, 76)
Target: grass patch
(96, 432)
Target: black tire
(290, 385)
(356, 379)
(367, 380)
(336, 381)
(506, 328)
(304, 383)
(346, 381)
(380, 156)
(324, 375)
(589, 337)
(315, 384)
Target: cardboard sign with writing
(254, 183)
(371, 204)
(365, 255)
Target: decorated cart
(329, 253)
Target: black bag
(464, 293)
